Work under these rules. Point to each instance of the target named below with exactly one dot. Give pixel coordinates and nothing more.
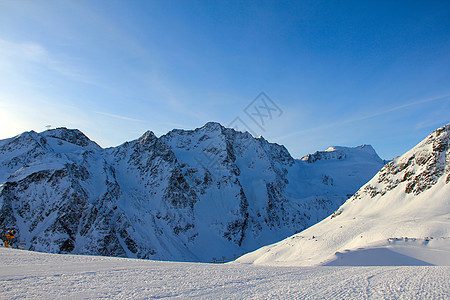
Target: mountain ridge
(189, 195)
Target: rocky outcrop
(417, 170)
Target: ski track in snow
(25, 274)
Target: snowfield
(42, 275)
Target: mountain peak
(147, 137)
(212, 126)
(73, 136)
(341, 152)
(422, 166)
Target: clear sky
(341, 72)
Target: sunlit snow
(41, 275)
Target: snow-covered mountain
(189, 195)
(400, 217)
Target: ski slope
(55, 276)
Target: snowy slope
(25, 274)
(400, 217)
(189, 195)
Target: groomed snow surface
(26, 274)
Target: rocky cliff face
(419, 169)
(189, 195)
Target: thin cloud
(160, 86)
(14, 54)
(399, 107)
(365, 117)
(118, 116)
(431, 123)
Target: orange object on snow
(9, 236)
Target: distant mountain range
(400, 217)
(190, 195)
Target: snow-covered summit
(190, 195)
(214, 126)
(73, 136)
(147, 138)
(401, 216)
(340, 152)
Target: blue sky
(342, 72)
